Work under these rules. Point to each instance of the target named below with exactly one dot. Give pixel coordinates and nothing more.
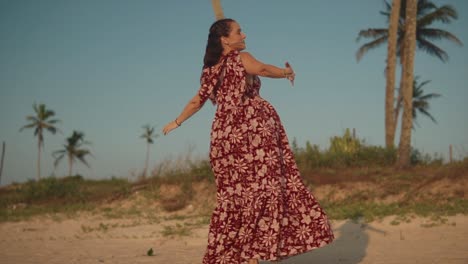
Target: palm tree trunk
(400, 96)
(399, 100)
(38, 159)
(404, 148)
(390, 120)
(147, 160)
(218, 10)
(70, 165)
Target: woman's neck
(227, 51)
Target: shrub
(344, 151)
(52, 189)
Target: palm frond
(416, 94)
(39, 121)
(428, 13)
(82, 159)
(388, 10)
(27, 126)
(48, 114)
(420, 104)
(386, 14)
(75, 139)
(415, 119)
(422, 84)
(42, 111)
(52, 129)
(36, 108)
(59, 152)
(421, 100)
(430, 96)
(368, 46)
(59, 158)
(426, 113)
(149, 134)
(32, 118)
(424, 6)
(372, 33)
(444, 14)
(438, 34)
(72, 148)
(81, 154)
(54, 121)
(432, 49)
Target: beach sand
(87, 239)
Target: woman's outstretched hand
(290, 73)
(169, 127)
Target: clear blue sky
(108, 67)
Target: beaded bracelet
(177, 122)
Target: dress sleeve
(206, 85)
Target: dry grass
(369, 192)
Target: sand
(87, 239)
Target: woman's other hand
(289, 72)
(169, 127)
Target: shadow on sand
(349, 246)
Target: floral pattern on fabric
(263, 210)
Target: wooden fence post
(1, 162)
(450, 153)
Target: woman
(263, 209)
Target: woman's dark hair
(214, 48)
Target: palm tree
(218, 10)
(390, 71)
(427, 14)
(148, 136)
(404, 147)
(40, 121)
(421, 100)
(73, 150)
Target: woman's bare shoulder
(245, 54)
(247, 58)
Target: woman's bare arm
(191, 108)
(255, 67)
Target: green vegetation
(369, 211)
(351, 180)
(348, 151)
(52, 195)
(177, 230)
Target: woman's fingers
(292, 75)
(169, 127)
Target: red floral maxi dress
(263, 210)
